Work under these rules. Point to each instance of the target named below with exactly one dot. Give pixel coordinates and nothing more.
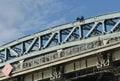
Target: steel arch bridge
(101, 32)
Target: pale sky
(19, 18)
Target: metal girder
(6, 54)
(13, 51)
(66, 32)
(91, 30)
(36, 44)
(62, 27)
(40, 42)
(31, 45)
(69, 34)
(89, 27)
(51, 37)
(80, 31)
(54, 48)
(44, 38)
(110, 22)
(103, 27)
(59, 37)
(23, 48)
(115, 25)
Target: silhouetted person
(80, 19)
(77, 19)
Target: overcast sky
(23, 17)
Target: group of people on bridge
(80, 19)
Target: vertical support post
(6, 54)
(104, 27)
(80, 32)
(23, 48)
(40, 42)
(59, 37)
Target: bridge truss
(88, 33)
(60, 35)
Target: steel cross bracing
(60, 37)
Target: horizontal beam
(65, 45)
